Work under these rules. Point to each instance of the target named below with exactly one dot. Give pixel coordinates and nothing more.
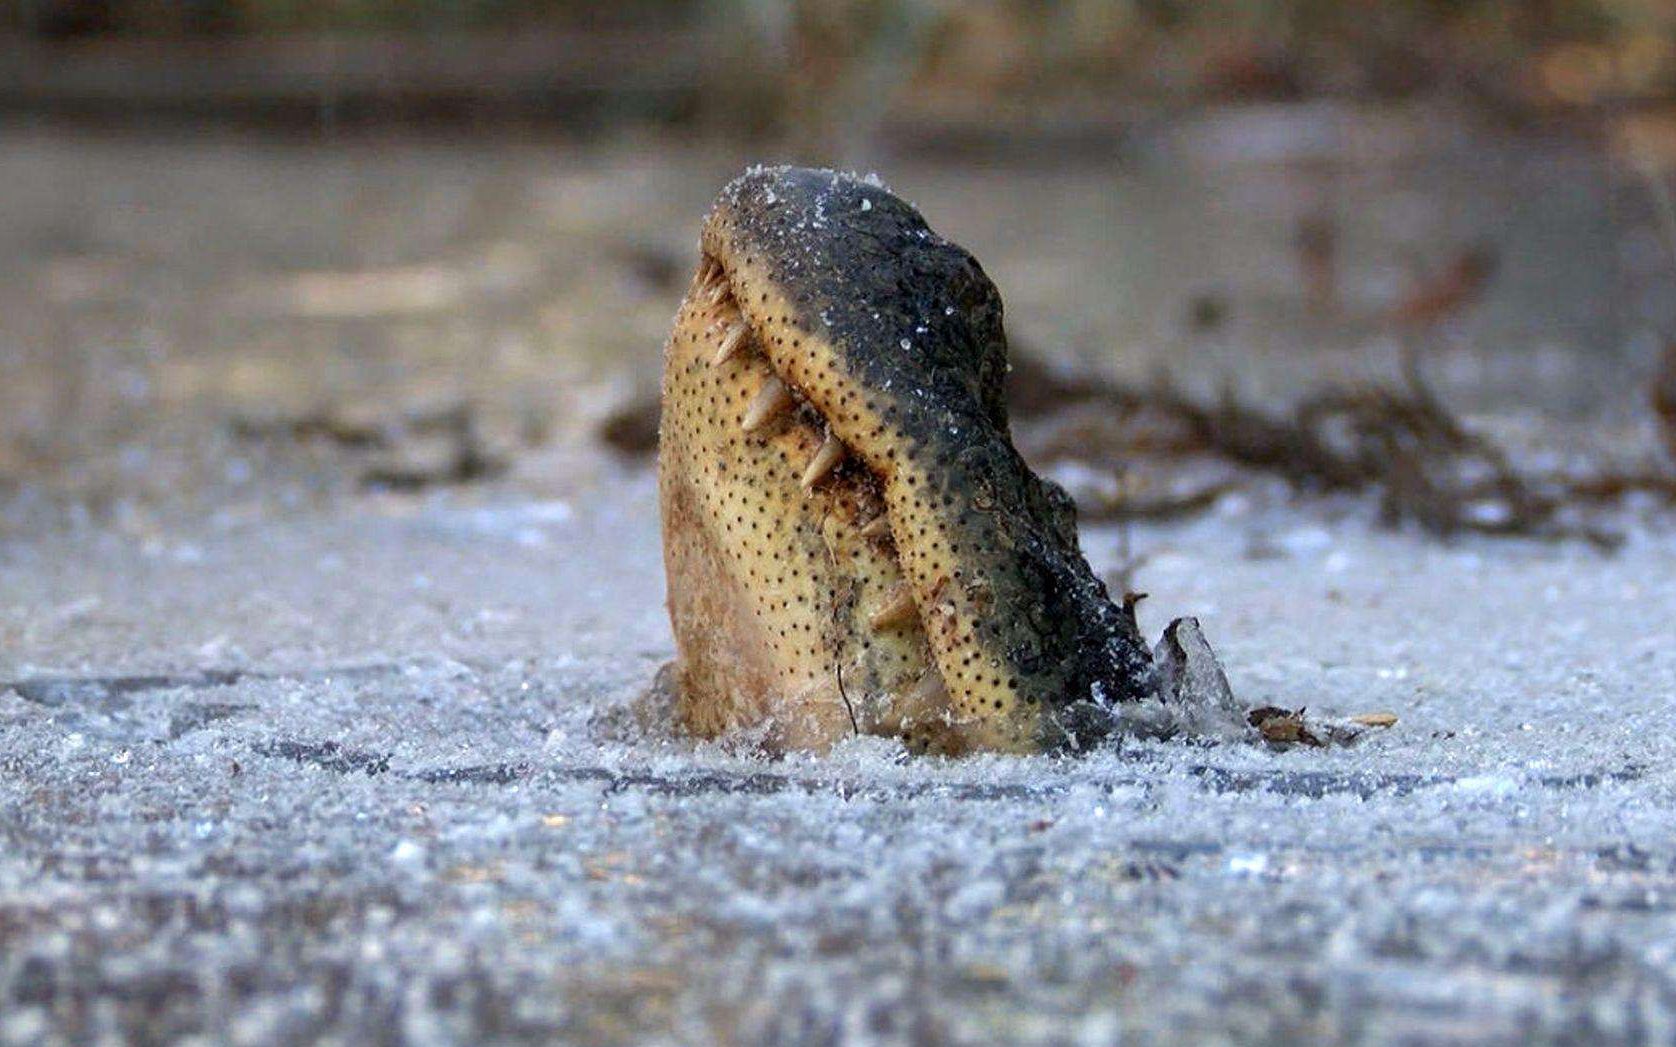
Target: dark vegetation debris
(632, 428)
(406, 448)
(329, 756)
(655, 269)
(1285, 728)
(1427, 466)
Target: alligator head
(852, 542)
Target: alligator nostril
(771, 400)
(826, 459)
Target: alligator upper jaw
(854, 375)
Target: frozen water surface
(373, 771)
(379, 773)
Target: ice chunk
(1191, 681)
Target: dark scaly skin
(890, 339)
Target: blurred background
(262, 254)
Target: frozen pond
(283, 758)
(380, 774)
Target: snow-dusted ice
(381, 774)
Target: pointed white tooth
(773, 398)
(896, 610)
(878, 527)
(706, 271)
(718, 291)
(732, 342)
(826, 459)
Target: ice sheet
(379, 773)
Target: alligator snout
(852, 542)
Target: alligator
(852, 543)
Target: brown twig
(1664, 400)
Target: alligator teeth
(718, 291)
(732, 342)
(708, 270)
(771, 400)
(899, 608)
(878, 527)
(825, 460)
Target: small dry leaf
(1282, 725)
(1375, 719)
